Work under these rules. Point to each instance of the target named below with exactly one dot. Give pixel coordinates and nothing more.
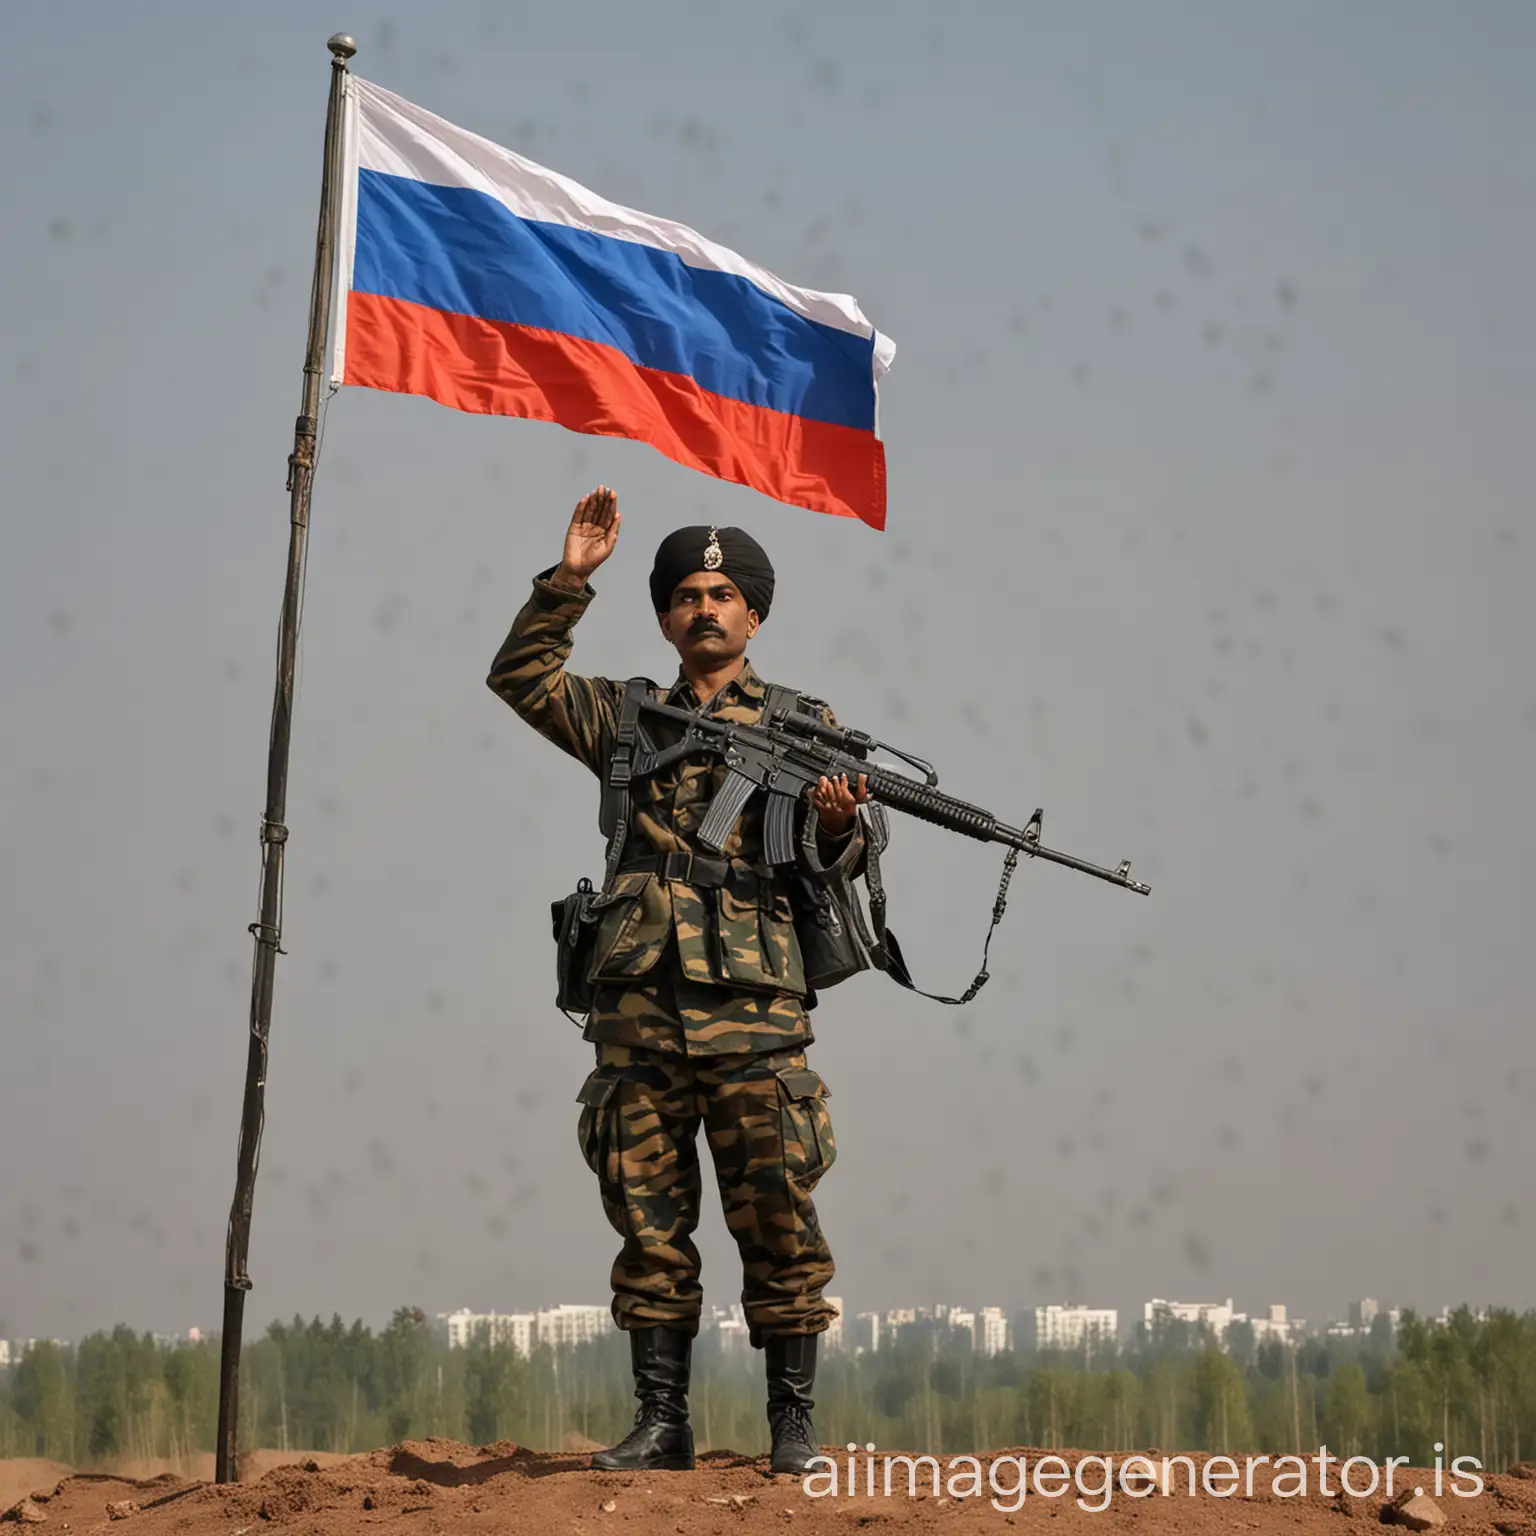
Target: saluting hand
(590, 539)
(836, 803)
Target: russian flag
(473, 276)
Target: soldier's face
(709, 621)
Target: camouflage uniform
(699, 1017)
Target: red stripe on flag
(498, 369)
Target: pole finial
(342, 45)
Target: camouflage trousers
(765, 1118)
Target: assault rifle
(794, 750)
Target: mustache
(704, 627)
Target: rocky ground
(425, 1487)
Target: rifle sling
(886, 950)
(616, 806)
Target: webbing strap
(614, 811)
(886, 951)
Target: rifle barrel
(1025, 843)
(943, 810)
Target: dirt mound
(254, 1465)
(19, 1477)
(423, 1488)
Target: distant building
(560, 1327)
(866, 1332)
(569, 1324)
(1215, 1315)
(935, 1320)
(986, 1329)
(833, 1337)
(729, 1325)
(463, 1327)
(1075, 1326)
(992, 1331)
(1363, 1317)
(5, 1354)
(175, 1340)
(1276, 1327)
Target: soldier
(700, 1008)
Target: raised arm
(578, 714)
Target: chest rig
(834, 935)
(836, 938)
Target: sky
(1209, 438)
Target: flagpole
(267, 930)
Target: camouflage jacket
(743, 939)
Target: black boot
(662, 1439)
(791, 1375)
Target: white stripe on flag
(346, 231)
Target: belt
(703, 870)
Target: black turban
(732, 552)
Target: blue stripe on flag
(455, 249)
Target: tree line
(1468, 1382)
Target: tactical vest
(836, 939)
(834, 936)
